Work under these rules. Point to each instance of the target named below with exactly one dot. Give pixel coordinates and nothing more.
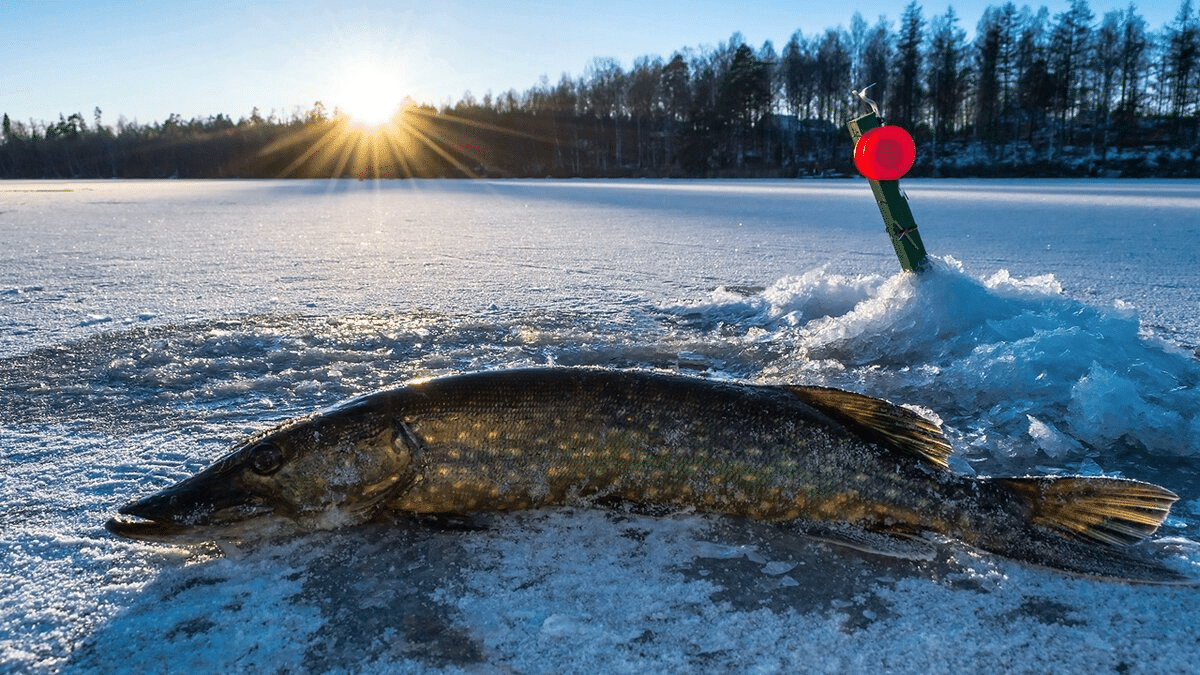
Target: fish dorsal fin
(880, 422)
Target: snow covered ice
(144, 326)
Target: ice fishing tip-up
(883, 154)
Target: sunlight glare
(369, 96)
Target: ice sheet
(144, 326)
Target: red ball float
(885, 153)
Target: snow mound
(1011, 363)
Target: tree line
(1032, 94)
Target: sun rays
(406, 144)
(375, 133)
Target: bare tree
(878, 58)
(1070, 50)
(833, 74)
(605, 93)
(1105, 62)
(645, 105)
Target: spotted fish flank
(531, 438)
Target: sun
(411, 142)
(368, 95)
(377, 131)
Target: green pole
(893, 206)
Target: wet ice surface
(145, 326)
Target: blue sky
(146, 60)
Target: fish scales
(496, 441)
(528, 438)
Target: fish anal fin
(880, 422)
(1111, 511)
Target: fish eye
(265, 459)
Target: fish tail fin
(1110, 511)
(1085, 525)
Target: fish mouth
(145, 530)
(132, 523)
(196, 509)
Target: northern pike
(529, 438)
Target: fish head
(324, 471)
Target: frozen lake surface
(145, 326)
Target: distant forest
(1033, 95)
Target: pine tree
(1182, 53)
(743, 100)
(1034, 84)
(987, 82)
(908, 95)
(1131, 67)
(946, 75)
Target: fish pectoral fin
(379, 489)
(880, 422)
(904, 545)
